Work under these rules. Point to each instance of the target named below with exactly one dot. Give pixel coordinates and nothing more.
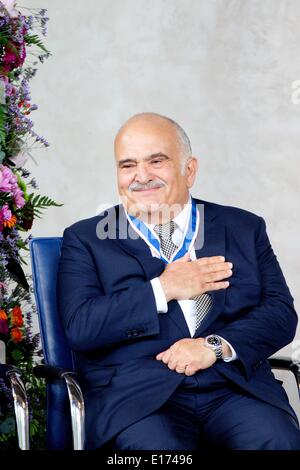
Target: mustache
(153, 184)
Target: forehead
(146, 137)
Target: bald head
(155, 167)
(142, 120)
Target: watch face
(214, 340)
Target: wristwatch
(214, 342)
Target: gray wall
(223, 68)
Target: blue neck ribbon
(152, 240)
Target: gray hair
(183, 139)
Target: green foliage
(17, 138)
(4, 35)
(36, 394)
(17, 355)
(3, 117)
(33, 39)
(7, 427)
(39, 203)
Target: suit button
(134, 333)
(129, 334)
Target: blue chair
(63, 390)
(65, 404)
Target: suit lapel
(152, 266)
(213, 245)
(135, 246)
(210, 232)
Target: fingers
(215, 267)
(164, 356)
(216, 286)
(173, 365)
(210, 260)
(160, 355)
(214, 277)
(213, 270)
(213, 264)
(171, 362)
(189, 370)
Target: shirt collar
(182, 218)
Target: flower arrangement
(21, 50)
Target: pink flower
(5, 178)
(6, 212)
(9, 57)
(10, 7)
(1, 222)
(4, 327)
(10, 90)
(14, 56)
(18, 198)
(9, 184)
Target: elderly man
(172, 306)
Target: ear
(191, 169)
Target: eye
(127, 166)
(157, 162)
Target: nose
(142, 173)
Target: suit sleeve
(91, 319)
(272, 324)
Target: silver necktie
(165, 232)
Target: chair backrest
(45, 254)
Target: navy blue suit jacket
(109, 314)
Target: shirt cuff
(233, 356)
(160, 298)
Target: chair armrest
(286, 363)
(5, 369)
(51, 373)
(13, 376)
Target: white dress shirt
(188, 306)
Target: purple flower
(9, 184)
(10, 89)
(25, 90)
(19, 199)
(9, 5)
(6, 212)
(5, 179)
(29, 73)
(4, 20)
(33, 183)
(4, 327)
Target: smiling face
(149, 156)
